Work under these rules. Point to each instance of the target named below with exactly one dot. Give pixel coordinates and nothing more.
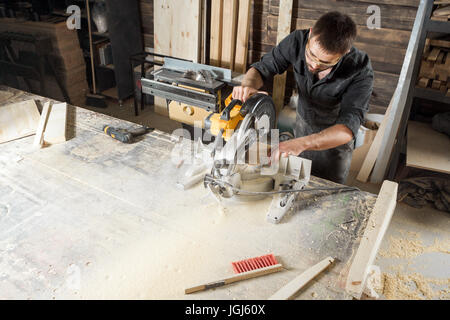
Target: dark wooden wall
(147, 22)
(386, 46)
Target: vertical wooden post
(242, 36)
(215, 52)
(230, 8)
(284, 28)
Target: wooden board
(372, 154)
(284, 28)
(18, 120)
(177, 33)
(242, 36)
(55, 130)
(427, 148)
(177, 28)
(39, 138)
(373, 235)
(290, 289)
(230, 10)
(215, 52)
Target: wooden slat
(38, 139)
(215, 51)
(230, 8)
(373, 235)
(284, 28)
(290, 289)
(374, 149)
(242, 36)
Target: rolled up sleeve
(279, 58)
(355, 101)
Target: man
(335, 82)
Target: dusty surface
(415, 256)
(94, 218)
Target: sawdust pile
(411, 246)
(401, 285)
(413, 286)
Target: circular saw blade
(263, 108)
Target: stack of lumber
(230, 24)
(66, 57)
(435, 66)
(442, 11)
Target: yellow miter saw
(235, 167)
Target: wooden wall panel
(386, 46)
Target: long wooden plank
(215, 50)
(289, 290)
(242, 36)
(374, 149)
(18, 120)
(427, 148)
(373, 235)
(400, 95)
(230, 9)
(284, 28)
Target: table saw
(94, 218)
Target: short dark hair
(335, 31)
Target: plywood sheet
(427, 148)
(177, 33)
(177, 28)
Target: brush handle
(235, 278)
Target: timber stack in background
(435, 65)
(442, 12)
(65, 55)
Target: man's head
(331, 38)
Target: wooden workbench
(95, 218)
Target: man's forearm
(329, 138)
(252, 79)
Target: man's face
(317, 59)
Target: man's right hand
(243, 93)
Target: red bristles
(254, 263)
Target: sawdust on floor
(410, 245)
(413, 286)
(404, 285)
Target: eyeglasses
(322, 66)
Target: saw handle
(226, 113)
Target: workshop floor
(414, 258)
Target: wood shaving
(411, 246)
(401, 286)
